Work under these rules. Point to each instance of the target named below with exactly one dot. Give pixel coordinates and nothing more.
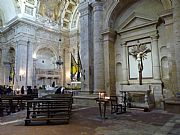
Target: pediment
(135, 20)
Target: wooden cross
(139, 52)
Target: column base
(125, 83)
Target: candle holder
(101, 95)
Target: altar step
(85, 100)
(172, 105)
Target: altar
(139, 96)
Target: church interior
(94, 50)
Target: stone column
(155, 57)
(124, 64)
(21, 67)
(86, 49)
(176, 29)
(30, 62)
(98, 46)
(5, 66)
(109, 62)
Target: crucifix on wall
(139, 52)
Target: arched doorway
(46, 70)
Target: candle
(107, 97)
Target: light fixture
(21, 74)
(59, 61)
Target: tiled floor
(86, 121)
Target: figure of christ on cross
(139, 52)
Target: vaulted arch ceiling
(121, 5)
(63, 12)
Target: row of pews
(13, 103)
(50, 108)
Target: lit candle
(102, 95)
(107, 97)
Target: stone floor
(86, 121)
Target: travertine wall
(26, 39)
(158, 27)
(176, 33)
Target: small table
(104, 102)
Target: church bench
(49, 109)
(13, 103)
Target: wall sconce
(21, 74)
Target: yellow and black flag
(74, 67)
(79, 68)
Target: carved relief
(28, 10)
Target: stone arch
(109, 12)
(45, 58)
(163, 50)
(44, 46)
(75, 19)
(117, 7)
(114, 11)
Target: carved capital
(154, 37)
(123, 44)
(97, 6)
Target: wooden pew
(49, 108)
(13, 103)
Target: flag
(74, 67)
(79, 68)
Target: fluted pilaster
(124, 64)
(155, 57)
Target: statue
(139, 52)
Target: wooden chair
(115, 106)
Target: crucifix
(139, 52)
